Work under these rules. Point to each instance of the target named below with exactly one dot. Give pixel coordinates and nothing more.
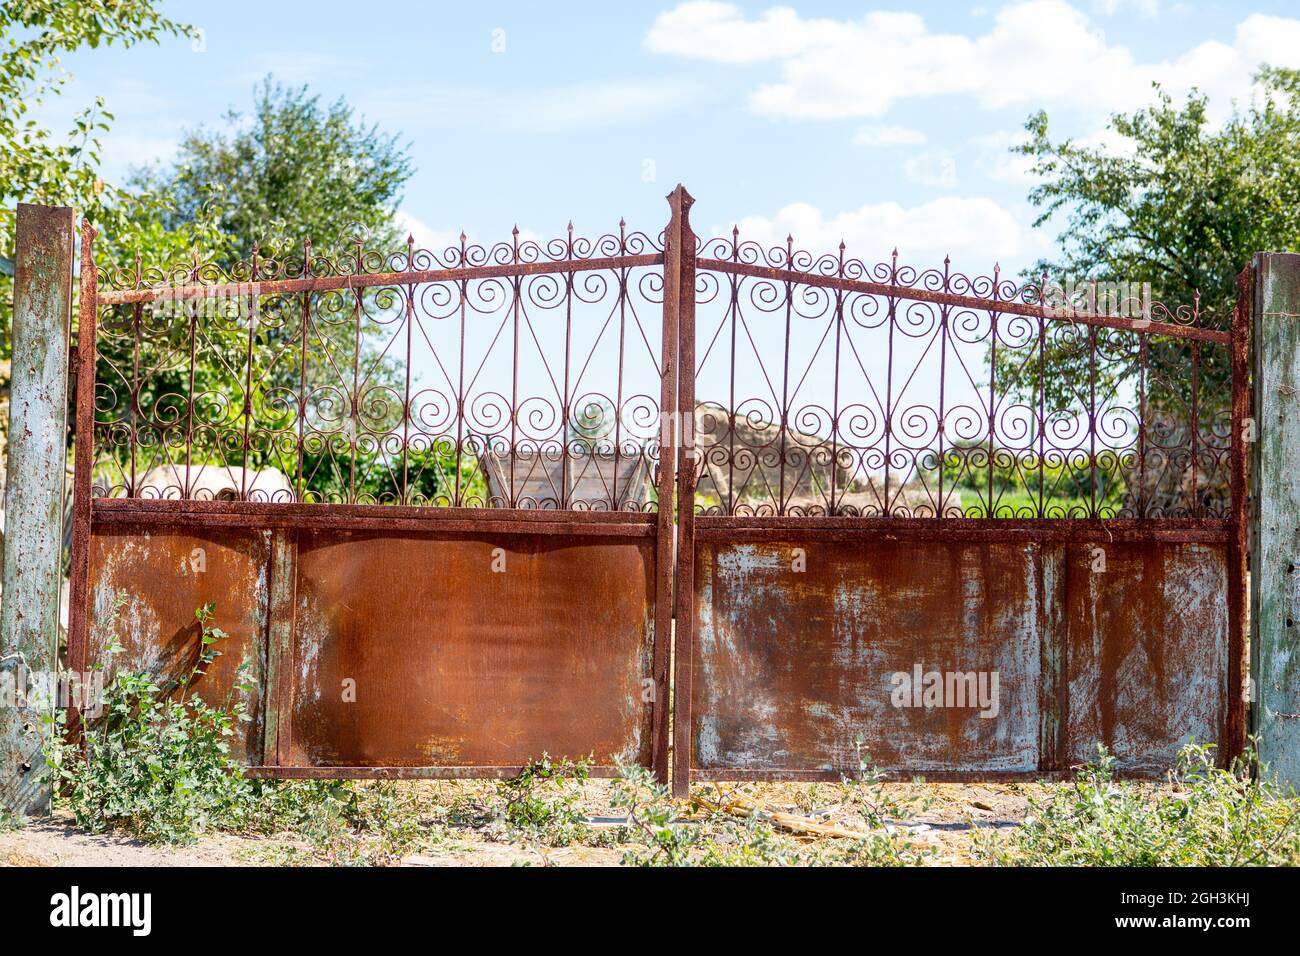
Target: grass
(1204, 816)
(157, 766)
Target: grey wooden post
(1275, 545)
(38, 402)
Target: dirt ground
(941, 819)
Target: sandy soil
(943, 818)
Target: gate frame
(1232, 531)
(283, 519)
(676, 530)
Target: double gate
(450, 503)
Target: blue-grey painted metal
(29, 606)
(1275, 552)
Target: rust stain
(140, 567)
(1147, 650)
(455, 664)
(793, 667)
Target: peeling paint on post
(1275, 552)
(29, 610)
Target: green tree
(1185, 204)
(293, 171)
(297, 169)
(1181, 205)
(37, 164)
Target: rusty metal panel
(410, 650)
(1146, 651)
(792, 667)
(146, 583)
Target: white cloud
(425, 236)
(1147, 8)
(1039, 52)
(977, 232)
(934, 168)
(874, 136)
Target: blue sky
(882, 123)
(873, 123)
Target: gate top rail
(1028, 300)
(366, 268)
(528, 374)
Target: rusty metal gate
(449, 503)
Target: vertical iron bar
(1143, 347)
(248, 379)
(193, 308)
(990, 511)
(731, 394)
(892, 320)
(1042, 414)
(1195, 510)
(683, 271)
(1092, 419)
(302, 374)
(135, 376)
(622, 336)
(565, 406)
(514, 376)
(835, 392)
(82, 469)
(460, 381)
(355, 437)
(785, 373)
(665, 480)
(943, 371)
(406, 400)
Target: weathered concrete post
(1275, 545)
(29, 605)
